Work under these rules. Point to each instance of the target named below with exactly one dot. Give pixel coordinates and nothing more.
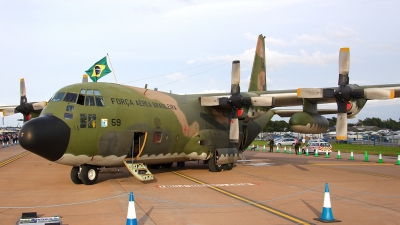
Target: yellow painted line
(261, 206)
(10, 160)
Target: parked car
(285, 141)
(322, 147)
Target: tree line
(282, 125)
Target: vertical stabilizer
(258, 80)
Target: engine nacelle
(308, 123)
(354, 107)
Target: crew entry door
(138, 143)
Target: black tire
(89, 174)
(75, 175)
(279, 144)
(213, 167)
(166, 165)
(228, 166)
(154, 166)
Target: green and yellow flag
(98, 70)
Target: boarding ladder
(138, 170)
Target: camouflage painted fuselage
(173, 127)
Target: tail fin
(258, 80)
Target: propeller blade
(85, 78)
(378, 93)
(235, 77)
(234, 130)
(344, 66)
(22, 91)
(209, 101)
(315, 93)
(8, 111)
(38, 105)
(262, 101)
(341, 126)
(342, 107)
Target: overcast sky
(188, 46)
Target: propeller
(26, 108)
(236, 101)
(344, 93)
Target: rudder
(258, 80)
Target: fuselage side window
(157, 137)
(70, 108)
(83, 121)
(57, 97)
(83, 91)
(89, 100)
(91, 120)
(70, 97)
(68, 116)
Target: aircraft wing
(284, 98)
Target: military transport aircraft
(92, 125)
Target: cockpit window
(91, 97)
(70, 97)
(99, 101)
(96, 92)
(57, 97)
(89, 100)
(89, 92)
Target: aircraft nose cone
(46, 136)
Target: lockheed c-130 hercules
(94, 125)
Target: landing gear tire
(75, 176)
(154, 166)
(89, 174)
(212, 167)
(166, 165)
(228, 166)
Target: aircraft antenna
(112, 68)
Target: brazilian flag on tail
(98, 70)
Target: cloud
(176, 76)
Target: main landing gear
(213, 167)
(86, 174)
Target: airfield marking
(246, 200)
(204, 185)
(10, 160)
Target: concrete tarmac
(267, 188)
